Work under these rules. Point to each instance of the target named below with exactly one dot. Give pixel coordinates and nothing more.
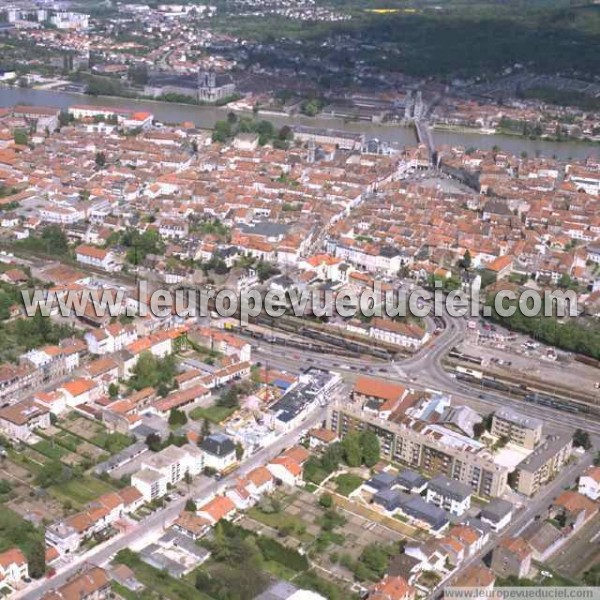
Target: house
(321, 437)
(501, 267)
(174, 553)
(392, 588)
(398, 333)
(220, 507)
(19, 420)
(471, 538)
(431, 554)
(80, 391)
(544, 539)
(379, 396)
(451, 495)
(287, 470)
(260, 481)
(589, 483)
(192, 525)
(91, 584)
(475, 576)
(411, 481)
(219, 452)
(96, 257)
(497, 514)
(512, 556)
(573, 509)
(132, 499)
(13, 567)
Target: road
(534, 507)
(580, 552)
(424, 366)
(151, 527)
(423, 370)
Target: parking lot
(505, 351)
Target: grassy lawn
(280, 520)
(347, 483)
(215, 414)
(278, 570)
(50, 449)
(80, 491)
(111, 442)
(68, 441)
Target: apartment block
(519, 429)
(432, 449)
(543, 463)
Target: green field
(79, 491)
(50, 449)
(215, 414)
(111, 442)
(347, 483)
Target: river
(206, 116)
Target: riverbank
(512, 134)
(205, 117)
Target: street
(151, 527)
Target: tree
(478, 429)
(113, 390)
(177, 417)
(239, 451)
(374, 559)
(466, 260)
(205, 430)
(36, 558)
(150, 371)
(154, 442)
(352, 450)
(581, 439)
(100, 160)
(229, 398)
(190, 505)
(20, 137)
(592, 576)
(326, 500)
(332, 457)
(53, 472)
(369, 444)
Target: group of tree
(230, 540)
(575, 335)
(177, 417)
(155, 443)
(16, 531)
(51, 241)
(151, 371)
(238, 572)
(354, 450)
(138, 245)
(226, 130)
(360, 448)
(581, 439)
